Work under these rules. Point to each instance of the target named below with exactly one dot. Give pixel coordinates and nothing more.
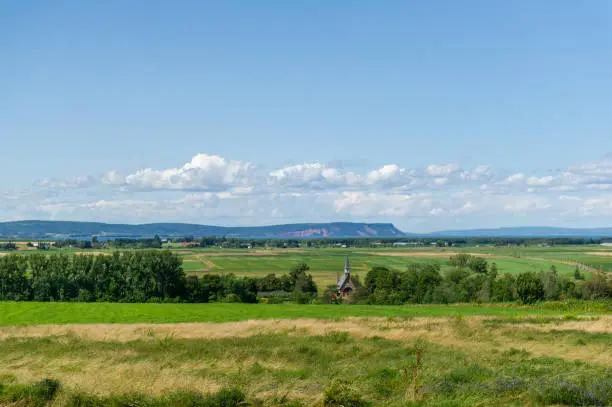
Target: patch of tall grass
(333, 368)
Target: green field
(23, 313)
(326, 263)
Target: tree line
(244, 243)
(471, 279)
(158, 275)
(215, 241)
(134, 276)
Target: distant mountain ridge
(66, 229)
(527, 231)
(38, 229)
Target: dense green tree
(269, 283)
(14, 284)
(551, 284)
(478, 265)
(460, 260)
(493, 270)
(423, 277)
(156, 243)
(529, 288)
(244, 288)
(302, 284)
(504, 288)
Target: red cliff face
(308, 233)
(360, 231)
(371, 232)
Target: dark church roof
(347, 274)
(343, 280)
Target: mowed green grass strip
(28, 313)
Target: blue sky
(428, 114)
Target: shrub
(385, 381)
(225, 398)
(284, 401)
(342, 394)
(186, 399)
(232, 298)
(45, 389)
(36, 395)
(568, 393)
(81, 400)
(467, 374)
(338, 337)
(512, 352)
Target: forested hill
(33, 229)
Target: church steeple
(347, 266)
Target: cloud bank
(218, 190)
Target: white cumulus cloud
(203, 172)
(436, 170)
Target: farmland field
(469, 355)
(325, 263)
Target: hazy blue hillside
(32, 229)
(63, 229)
(530, 231)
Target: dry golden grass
(444, 331)
(111, 370)
(93, 253)
(108, 375)
(602, 253)
(602, 324)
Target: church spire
(347, 266)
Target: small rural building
(345, 284)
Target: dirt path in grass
(581, 266)
(209, 264)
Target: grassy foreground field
(464, 361)
(28, 313)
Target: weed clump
(566, 392)
(36, 395)
(337, 337)
(342, 394)
(514, 352)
